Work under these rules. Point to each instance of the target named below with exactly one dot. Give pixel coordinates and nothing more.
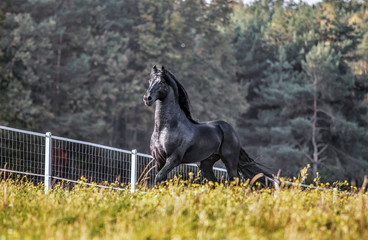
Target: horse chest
(163, 143)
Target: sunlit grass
(180, 210)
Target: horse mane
(183, 96)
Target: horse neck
(168, 111)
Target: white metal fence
(47, 158)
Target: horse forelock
(184, 102)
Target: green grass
(179, 211)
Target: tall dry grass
(180, 211)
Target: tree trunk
(314, 129)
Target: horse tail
(251, 169)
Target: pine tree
(187, 37)
(307, 102)
(67, 68)
(25, 50)
(268, 129)
(252, 51)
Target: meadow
(180, 210)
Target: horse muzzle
(148, 101)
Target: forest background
(290, 77)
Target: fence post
(48, 159)
(334, 194)
(133, 174)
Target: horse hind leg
(231, 164)
(206, 167)
(230, 149)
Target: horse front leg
(170, 164)
(159, 164)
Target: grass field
(179, 211)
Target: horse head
(158, 86)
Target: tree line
(292, 78)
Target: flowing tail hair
(249, 168)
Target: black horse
(177, 138)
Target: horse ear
(154, 69)
(162, 69)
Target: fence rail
(47, 158)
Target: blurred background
(290, 76)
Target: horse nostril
(149, 98)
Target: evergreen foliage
(292, 78)
(283, 126)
